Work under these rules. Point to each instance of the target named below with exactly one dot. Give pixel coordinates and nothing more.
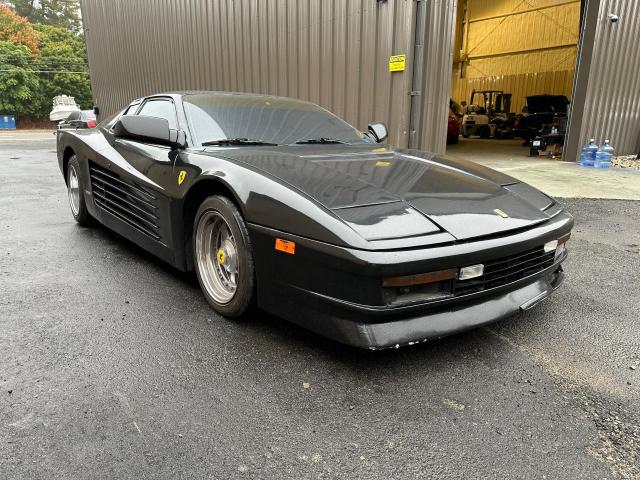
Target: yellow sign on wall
(397, 63)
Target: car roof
(185, 93)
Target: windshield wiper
(318, 140)
(236, 142)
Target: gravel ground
(627, 161)
(113, 366)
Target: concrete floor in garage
(555, 177)
(112, 365)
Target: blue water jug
(604, 156)
(588, 154)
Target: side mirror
(177, 138)
(96, 110)
(154, 129)
(378, 131)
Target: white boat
(63, 106)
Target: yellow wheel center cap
(221, 256)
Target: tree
(61, 13)
(63, 69)
(17, 30)
(18, 83)
(41, 61)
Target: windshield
(274, 120)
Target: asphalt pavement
(112, 365)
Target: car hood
(388, 193)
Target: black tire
(452, 139)
(465, 135)
(244, 296)
(77, 204)
(485, 132)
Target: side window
(160, 108)
(73, 116)
(131, 109)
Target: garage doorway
(512, 79)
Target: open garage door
(512, 78)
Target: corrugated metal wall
(436, 84)
(612, 100)
(523, 47)
(332, 52)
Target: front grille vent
(130, 203)
(506, 270)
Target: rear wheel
(75, 189)
(223, 257)
(485, 132)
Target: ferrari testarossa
(279, 204)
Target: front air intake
(506, 270)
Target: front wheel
(223, 258)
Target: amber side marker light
(285, 246)
(420, 279)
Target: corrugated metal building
(606, 95)
(331, 52)
(336, 53)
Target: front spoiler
(344, 327)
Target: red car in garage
(453, 125)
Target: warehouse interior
(506, 51)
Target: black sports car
(278, 203)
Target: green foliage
(50, 35)
(64, 53)
(18, 86)
(43, 60)
(61, 13)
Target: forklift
(488, 115)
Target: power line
(14, 62)
(37, 60)
(45, 64)
(43, 71)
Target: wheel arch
(66, 156)
(198, 192)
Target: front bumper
(331, 290)
(436, 325)
(381, 329)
